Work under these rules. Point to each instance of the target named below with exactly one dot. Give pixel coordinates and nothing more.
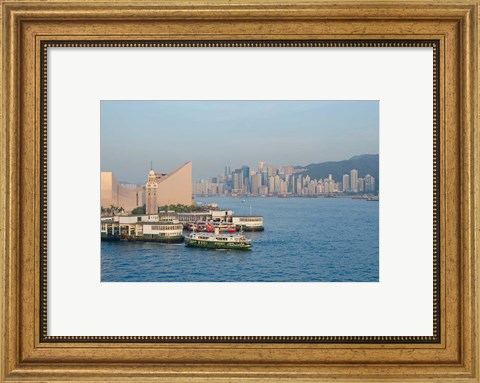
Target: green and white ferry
(218, 241)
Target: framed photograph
(263, 191)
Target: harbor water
(305, 240)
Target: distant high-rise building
(369, 184)
(261, 166)
(361, 185)
(326, 186)
(200, 188)
(346, 183)
(256, 183)
(271, 170)
(354, 180)
(246, 179)
(291, 184)
(264, 174)
(238, 181)
(277, 183)
(288, 170)
(271, 184)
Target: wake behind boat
(218, 241)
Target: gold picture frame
(28, 28)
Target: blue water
(305, 240)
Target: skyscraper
(346, 183)
(277, 183)
(246, 179)
(256, 183)
(264, 174)
(354, 180)
(361, 185)
(271, 184)
(369, 184)
(238, 181)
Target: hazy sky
(213, 134)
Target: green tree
(138, 210)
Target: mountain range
(365, 164)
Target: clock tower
(151, 191)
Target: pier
(169, 224)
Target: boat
(222, 227)
(248, 222)
(218, 241)
(210, 227)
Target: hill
(365, 164)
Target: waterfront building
(291, 184)
(200, 188)
(276, 182)
(264, 174)
(112, 192)
(345, 183)
(108, 189)
(369, 184)
(142, 228)
(238, 181)
(326, 186)
(354, 180)
(246, 187)
(256, 183)
(361, 185)
(271, 184)
(299, 186)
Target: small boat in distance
(218, 241)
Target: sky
(214, 134)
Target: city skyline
(297, 133)
(271, 180)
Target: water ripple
(306, 240)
